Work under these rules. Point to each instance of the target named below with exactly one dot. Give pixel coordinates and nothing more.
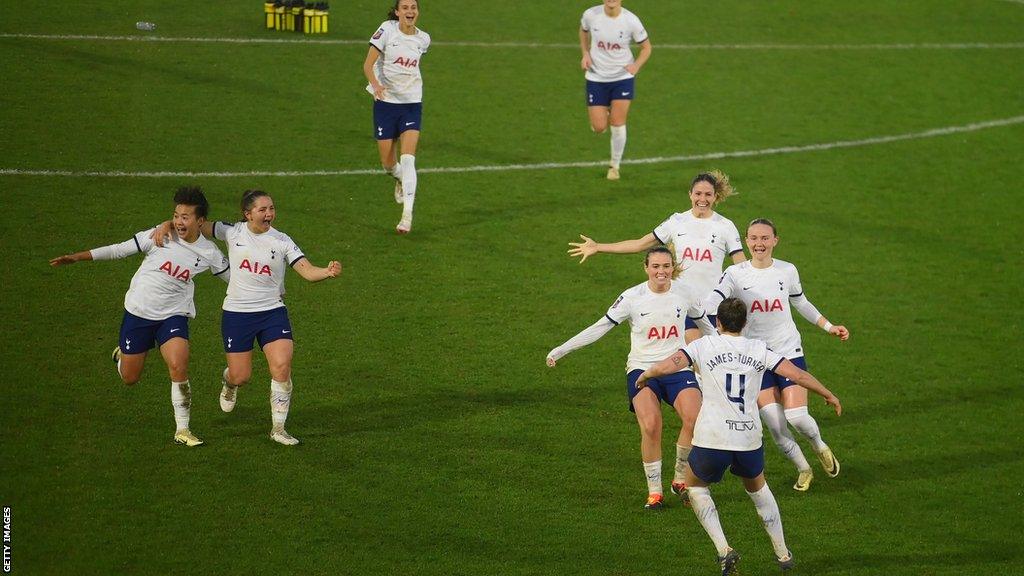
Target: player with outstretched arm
(160, 299)
(663, 314)
(771, 288)
(728, 430)
(254, 309)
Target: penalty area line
(933, 133)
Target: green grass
(435, 439)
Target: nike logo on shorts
(173, 330)
(286, 331)
(409, 124)
(625, 93)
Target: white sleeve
(696, 313)
(589, 335)
(620, 310)
(772, 359)
(124, 249)
(723, 290)
(380, 38)
(220, 230)
(663, 232)
(800, 302)
(584, 25)
(639, 34)
(732, 240)
(219, 265)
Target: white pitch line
(472, 44)
(933, 133)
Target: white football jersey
(730, 368)
(766, 292)
(610, 40)
(398, 67)
(162, 286)
(701, 246)
(258, 263)
(657, 321)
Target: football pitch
(884, 138)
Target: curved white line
(473, 44)
(933, 133)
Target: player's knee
(650, 426)
(239, 377)
(598, 127)
(281, 371)
(178, 370)
(131, 379)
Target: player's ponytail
(248, 199)
(719, 180)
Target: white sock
(774, 419)
(682, 463)
(119, 367)
(181, 399)
(618, 144)
(408, 175)
(395, 171)
(768, 510)
(653, 472)
(280, 401)
(806, 425)
(707, 514)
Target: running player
(700, 237)
(661, 313)
(728, 431)
(770, 288)
(254, 308)
(160, 301)
(392, 68)
(606, 32)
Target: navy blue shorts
(769, 378)
(709, 464)
(138, 335)
(390, 120)
(665, 388)
(602, 93)
(239, 329)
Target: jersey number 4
(738, 396)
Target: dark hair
(249, 198)
(732, 314)
(193, 196)
(393, 13)
(703, 177)
(764, 221)
(664, 250)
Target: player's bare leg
(648, 416)
(389, 160)
(237, 374)
(129, 366)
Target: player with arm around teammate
(392, 68)
(160, 299)
(663, 314)
(700, 237)
(728, 429)
(606, 32)
(254, 309)
(770, 288)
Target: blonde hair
(720, 181)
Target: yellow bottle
(268, 10)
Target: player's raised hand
(550, 362)
(840, 331)
(163, 233)
(832, 401)
(586, 248)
